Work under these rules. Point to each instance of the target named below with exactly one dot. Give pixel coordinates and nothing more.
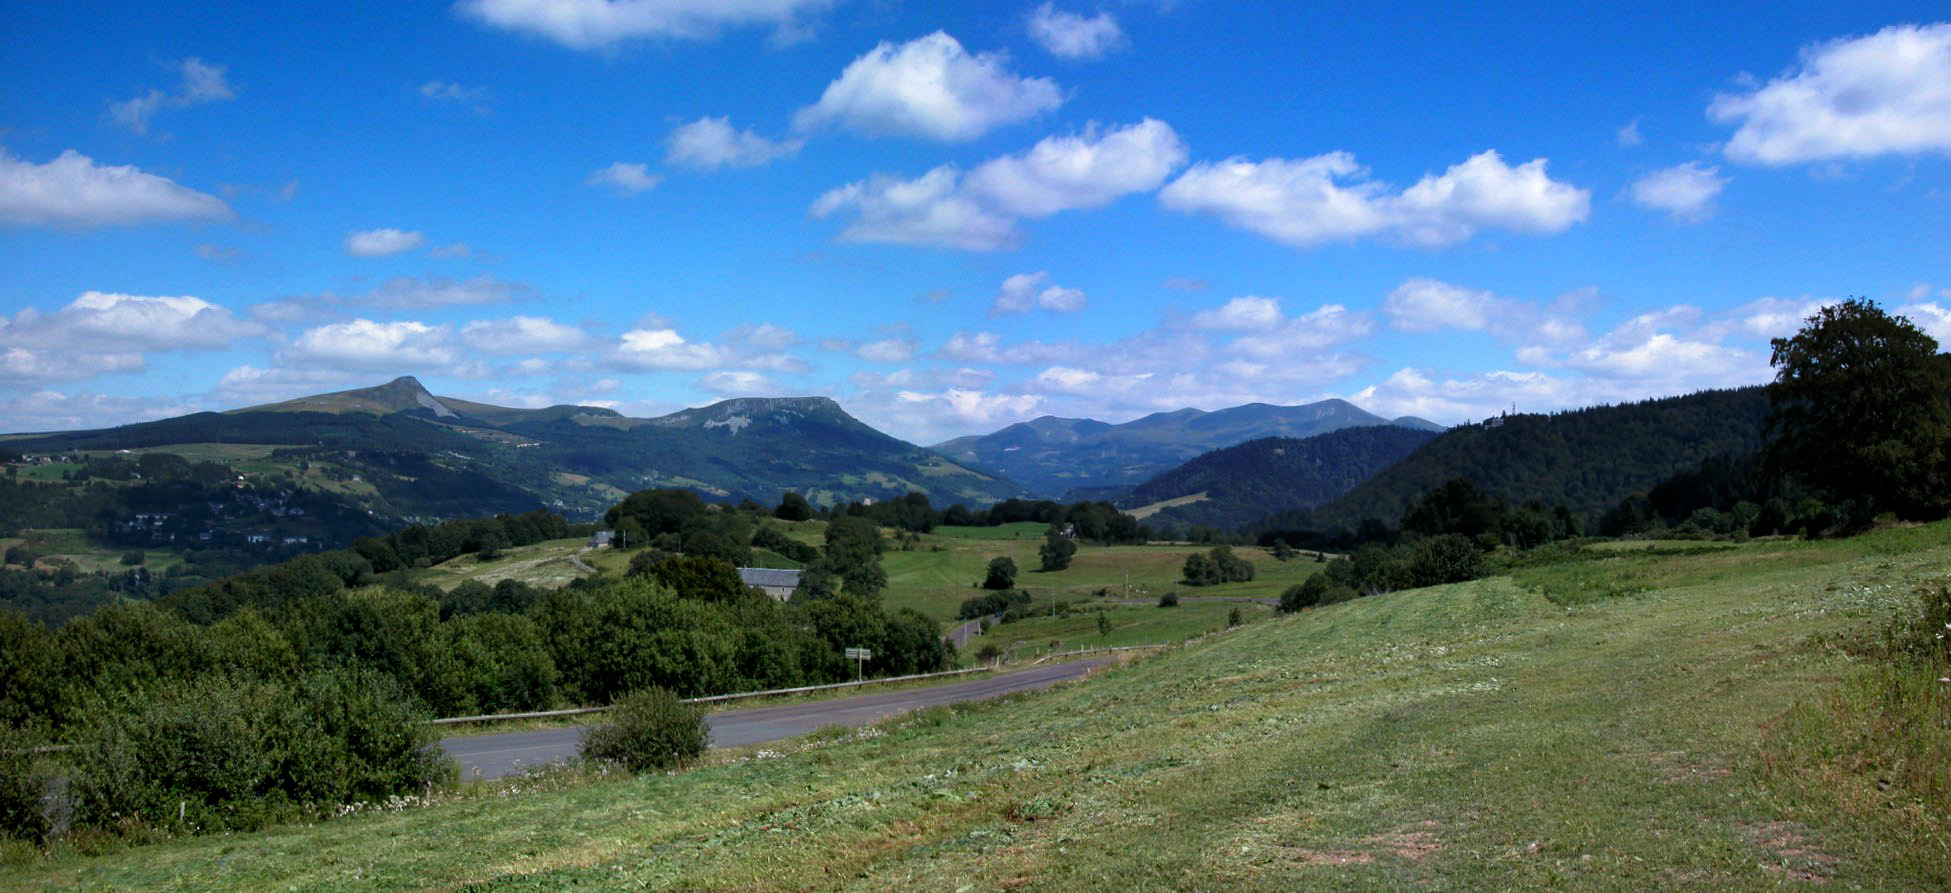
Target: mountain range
(1085, 458)
(420, 456)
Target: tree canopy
(1859, 409)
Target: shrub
(649, 729)
(988, 653)
(24, 780)
(225, 754)
(1449, 558)
(1320, 589)
(1169, 600)
(1233, 618)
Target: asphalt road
(494, 756)
(961, 635)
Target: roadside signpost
(860, 657)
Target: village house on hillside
(776, 582)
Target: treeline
(363, 563)
(1442, 538)
(1739, 497)
(1585, 460)
(1090, 521)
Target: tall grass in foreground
(1881, 742)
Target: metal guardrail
(578, 711)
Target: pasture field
(1032, 637)
(1489, 735)
(946, 569)
(549, 564)
(74, 545)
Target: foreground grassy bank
(1493, 734)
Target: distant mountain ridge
(427, 455)
(1584, 459)
(1056, 456)
(1243, 483)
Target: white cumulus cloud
(664, 348)
(1068, 35)
(1329, 197)
(711, 143)
(1062, 173)
(625, 177)
(929, 87)
(599, 24)
(1026, 291)
(368, 345)
(1685, 191)
(73, 191)
(101, 332)
(382, 242)
(522, 334)
(1243, 314)
(979, 211)
(928, 210)
(1886, 93)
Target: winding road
(495, 756)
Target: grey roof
(769, 576)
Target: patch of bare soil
(1794, 856)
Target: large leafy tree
(853, 556)
(1859, 409)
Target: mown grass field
(549, 564)
(948, 566)
(1493, 735)
(1130, 625)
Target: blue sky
(950, 219)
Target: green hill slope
(1479, 736)
(1243, 483)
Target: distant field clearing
(1147, 511)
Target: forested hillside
(1586, 460)
(1245, 482)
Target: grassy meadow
(1516, 731)
(948, 565)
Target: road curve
(495, 756)
(960, 636)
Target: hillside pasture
(1476, 736)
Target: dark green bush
(1169, 600)
(1448, 558)
(649, 730)
(24, 780)
(1320, 589)
(218, 753)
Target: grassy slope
(546, 564)
(1469, 736)
(936, 582)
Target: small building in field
(777, 582)
(601, 539)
